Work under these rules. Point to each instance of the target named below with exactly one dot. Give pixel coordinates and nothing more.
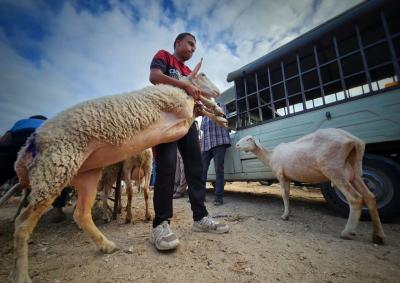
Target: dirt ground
(259, 248)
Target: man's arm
(157, 77)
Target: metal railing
(354, 61)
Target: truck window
(354, 60)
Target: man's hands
(192, 90)
(157, 77)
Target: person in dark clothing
(12, 141)
(10, 144)
(167, 68)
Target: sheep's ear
(258, 144)
(196, 69)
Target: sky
(57, 53)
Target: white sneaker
(163, 238)
(207, 224)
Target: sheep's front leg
(285, 189)
(129, 191)
(86, 185)
(220, 120)
(212, 106)
(107, 213)
(146, 192)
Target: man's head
(40, 117)
(184, 46)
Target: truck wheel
(382, 176)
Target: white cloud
(87, 55)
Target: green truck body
(375, 119)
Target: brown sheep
(137, 168)
(74, 146)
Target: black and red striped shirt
(169, 65)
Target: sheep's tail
(360, 149)
(14, 189)
(357, 153)
(355, 156)
(26, 155)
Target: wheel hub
(378, 183)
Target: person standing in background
(180, 186)
(215, 139)
(10, 143)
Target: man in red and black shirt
(168, 68)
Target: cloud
(73, 53)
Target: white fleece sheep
(326, 155)
(74, 146)
(137, 168)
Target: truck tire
(382, 176)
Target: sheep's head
(248, 143)
(201, 81)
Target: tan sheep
(137, 168)
(326, 155)
(74, 147)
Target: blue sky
(57, 53)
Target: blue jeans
(218, 153)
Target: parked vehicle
(344, 74)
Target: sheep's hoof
(347, 235)
(20, 278)
(108, 247)
(285, 217)
(378, 239)
(128, 218)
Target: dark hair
(41, 117)
(182, 36)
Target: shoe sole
(172, 245)
(196, 229)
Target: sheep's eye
(203, 75)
